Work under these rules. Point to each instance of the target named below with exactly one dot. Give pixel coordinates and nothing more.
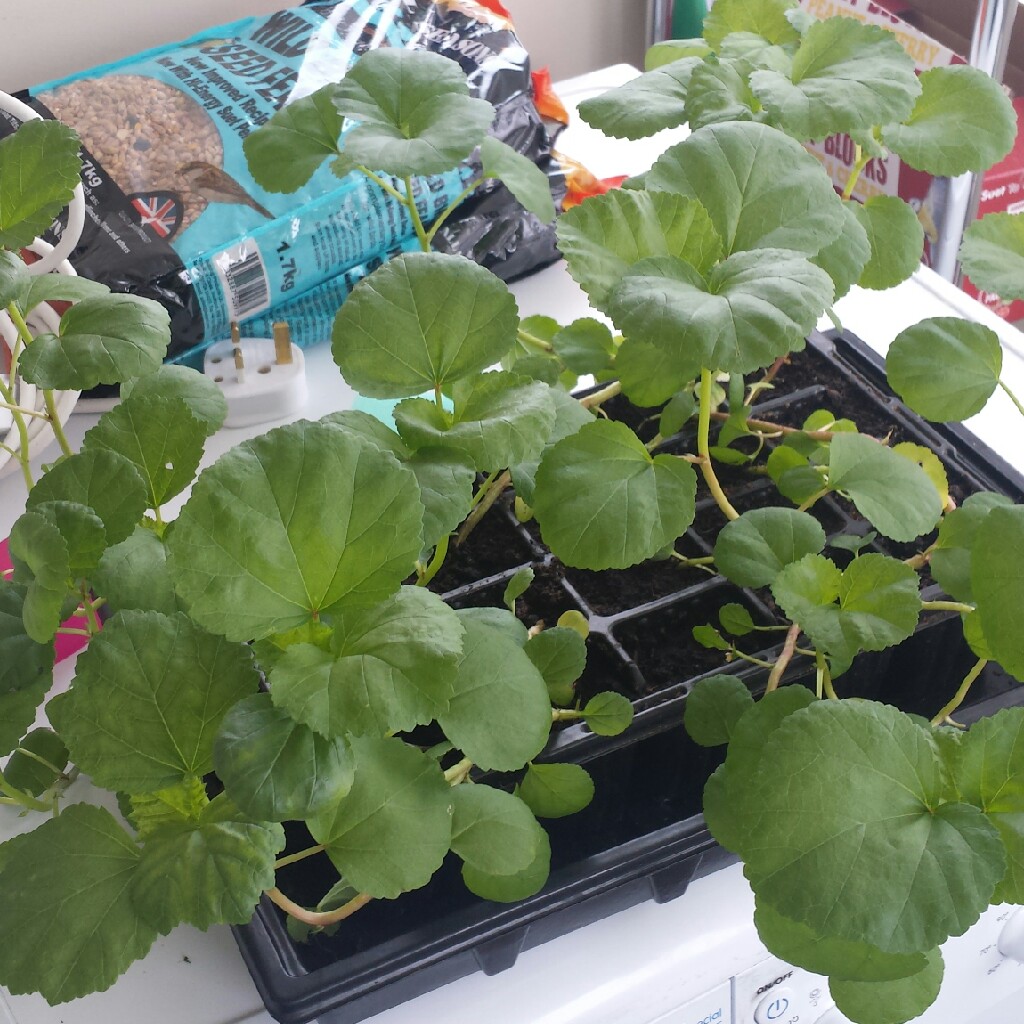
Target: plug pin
(236, 347)
(282, 343)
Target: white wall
(45, 39)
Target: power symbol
(777, 1008)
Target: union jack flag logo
(158, 211)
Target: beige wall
(44, 39)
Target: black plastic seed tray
(643, 837)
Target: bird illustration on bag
(217, 186)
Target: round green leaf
(500, 715)
(990, 775)
(102, 341)
(585, 346)
(992, 254)
(845, 257)
(720, 92)
(766, 18)
(446, 480)
(891, 491)
(39, 165)
(840, 959)
(945, 368)
(729, 813)
(283, 154)
(713, 707)
(79, 527)
(69, 925)
(644, 105)
(560, 655)
(859, 844)
(896, 238)
(420, 322)
(997, 580)
(520, 175)
(160, 436)
(285, 526)
(493, 831)
(414, 111)
(59, 288)
(962, 121)
(517, 586)
(391, 667)
(205, 401)
(105, 481)
(669, 50)
(150, 692)
(649, 375)
(512, 888)
(37, 543)
(608, 714)
(752, 308)
(762, 189)
(18, 707)
(603, 502)
(30, 775)
(391, 831)
(605, 235)
(752, 550)
(873, 604)
(205, 872)
(502, 419)
(133, 575)
(845, 76)
(274, 768)
(890, 1002)
(556, 790)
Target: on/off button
(775, 1008)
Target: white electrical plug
(263, 379)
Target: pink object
(64, 646)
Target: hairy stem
(384, 184)
(704, 447)
(958, 697)
(813, 499)
(946, 606)
(497, 487)
(532, 341)
(91, 618)
(18, 797)
(782, 662)
(55, 424)
(768, 427)
(440, 553)
(294, 858)
(459, 772)
(1013, 398)
(596, 400)
(414, 213)
(922, 558)
(824, 676)
(24, 412)
(862, 161)
(451, 208)
(317, 918)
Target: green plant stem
(861, 162)
(482, 490)
(24, 412)
(783, 660)
(813, 499)
(596, 400)
(18, 797)
(417, 223)
(946, 606)
(565, 715)
(92, 620)
(25, 337)
(760, 662)
(704, 447)
(494, 492)
(384, 184)
(294, 858)
(695, 562)
(451, 208)
(21, 452)
(55, 424)
(317, 918)
(432, 569)
(958, 698)
(1013, 398)
(458, 772)
(777, 428)
(71, 631)
(922, 558)
(532, 341)
(824, 677)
